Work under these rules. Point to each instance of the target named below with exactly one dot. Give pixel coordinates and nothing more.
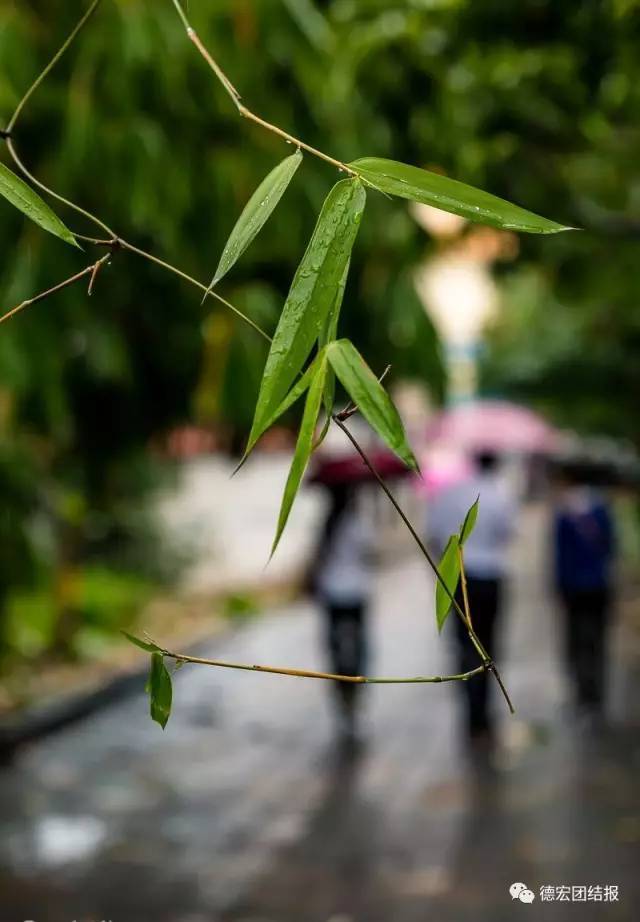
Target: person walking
(341, 581)
(584, 551)
(486, 568)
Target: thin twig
(52, 63)
(94, 275)
(188, 278)
(60, 198)
(242, 109)
(335, 677)
(91, 270)
(484, 656)
(351, 409)
(8, 134)
(463, 583)
(113, 238)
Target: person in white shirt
(486, 566)
(341, 581)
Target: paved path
(243, 811)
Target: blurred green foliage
(132, 126)
(102, 601)
(535, 101)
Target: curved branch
(52, 63)
(242, 109)
(487, 662)
(60, 198)
(91, 270)
(330, 676)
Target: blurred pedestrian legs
(341, 575)
(486, 567)
(584, 550)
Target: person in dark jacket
(584, 549)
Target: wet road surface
(245, 810)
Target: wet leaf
(449, 569)
(470, 520)
(256, 213)
(330, 327)
(160, 690)
(304, 446)
(450, 195)
(26, 200)
(294, 394)
(370, 397)
(328, 335)
(312, 294)
(143, 644)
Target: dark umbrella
(334, 470)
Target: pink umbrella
(493, 425)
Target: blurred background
(123, 415)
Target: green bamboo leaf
(370, 397)
(327, 335)
(312, 294)
(160, 690)
(449, 569)
(294, 394)
(469, 523)
(304, 447)
(450, 195)
(23, 197)
(330, 326)
(148, 647)
(255, 214)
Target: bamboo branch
(242, 109)
(188, 278)
(91, 270)
(113, 240)
(60, 198)
(488, 663)
(463, 584)
(52, 63)
(351, 409)
(330, 676)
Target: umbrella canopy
(351, 469)
(493, 425)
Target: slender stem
(182, 15)
(215, 67)
(488, 663)
(27, 96)
(113, 239)
(91, 270)
(414, 534)
(52, 63)
(65, 201)
(242, 109)
(335, 677)
(351, 409)
(248, 114)
(112, 236)
(463, 583)
(188, 278)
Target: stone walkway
(244, 810)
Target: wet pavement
(245, 810)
